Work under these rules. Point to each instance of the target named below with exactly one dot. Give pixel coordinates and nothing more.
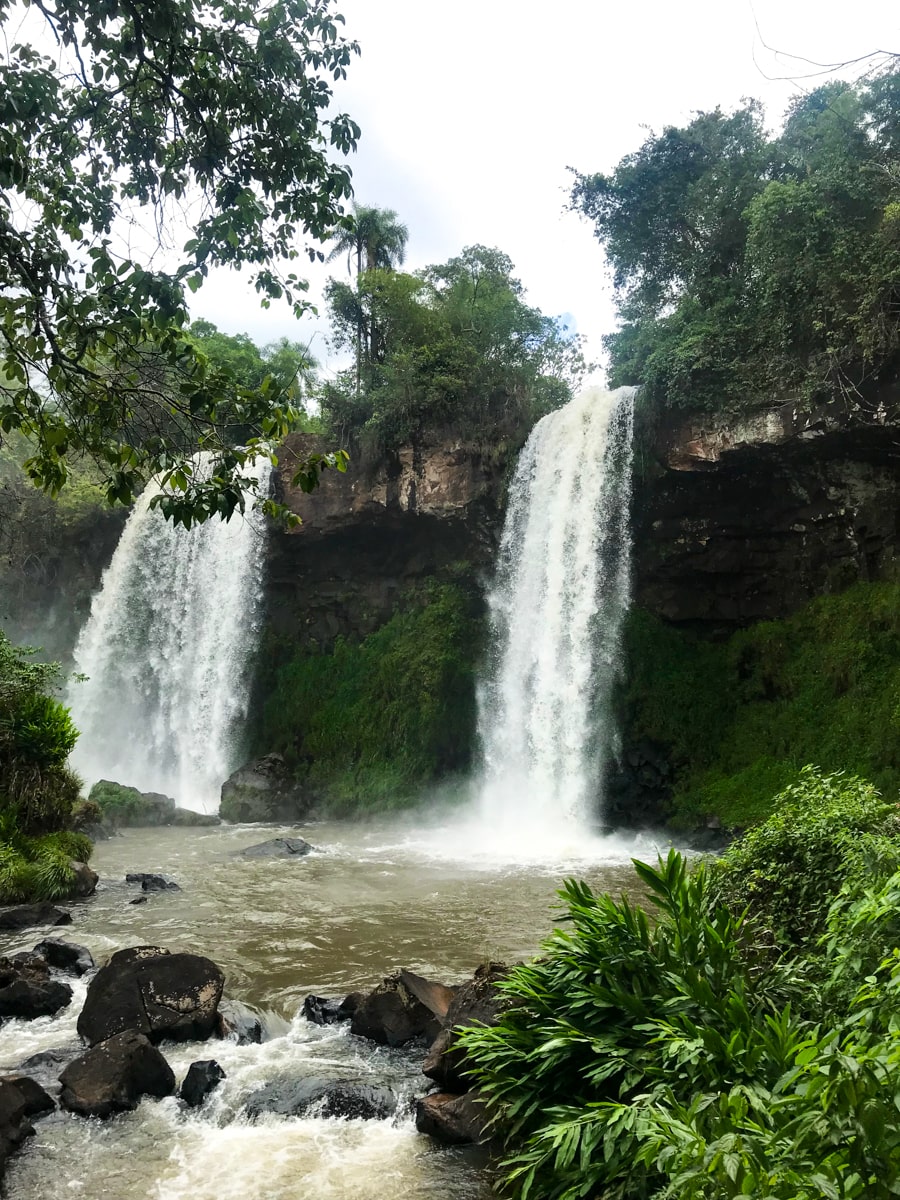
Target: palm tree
(374, 237)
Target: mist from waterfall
(559, 596)
(168, 652)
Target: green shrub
(42, 731)
(827, 833)
(38, 868)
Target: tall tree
(150, 120)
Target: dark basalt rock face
(392, 1015)
(15, 1126)
(65, 956)
(114, 1075)
(25, 915)
(203, 1077)
(27, 991)
(348, 1098)
(37, 1101)
(161, 995)
(452, 1120)
(747, 520)
(477, 1002)
(263, 791)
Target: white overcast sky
(471, 112)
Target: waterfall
(168, 650)
(556, 607)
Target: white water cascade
(168, 649)
(556, 606)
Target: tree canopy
(751, 267)
(454, 345)
(141, 146)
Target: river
(374, 897)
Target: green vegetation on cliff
(752, 267)
(742, 1043)
(454, 345)
(37, 789)
(370, 723)
(740, 718)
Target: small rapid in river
(370, 899)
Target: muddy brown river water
(374, 897)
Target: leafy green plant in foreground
(652, 1060)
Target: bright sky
(471, 112)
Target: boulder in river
(239, 1022)
(65, 956)
(27, 991)
(349, 1098)
(323, 1010)
(392, 1015)
(14, 1124)
(123, 805)
(203, 1077)
(152, 882)
(187, 816)
(283, 847)
(113, 1075)
(452, 1120)
(85, 879)
(478, 1002)
(25, 915)
(37, 1100)
(263, 791)
(161, 995)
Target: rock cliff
(745, 521)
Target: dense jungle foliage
(743, 1042)
(750, 267)
(738, 719)
(370, 724)
(38, 792)
(455, 345)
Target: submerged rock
(161, 995)
(349, 1098)
(113, 1076)
(203, 1077)
(392, 1015)
(27, 991)
(25, 915)
(263, 791)
(238, 1021)
(65, 956)
(284, 847)
(452, 1120)
(151, 882)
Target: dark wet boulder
(348, 1098)
(113, 1076)
(324, 1010)
(475, 1002)
(142, 899)
(263, 791)
(240, 1023)
(85, 879)
(161, 995)
(392, 1015)
(203, 1077)
(152, 882)
(452, 1120)
(27, 990)
(15, 1126)
(48, 1062)
(65, 956)
(23, 916)
(37, 1101)
(283, 847)
(436, 997)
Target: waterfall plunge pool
(375, 897)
